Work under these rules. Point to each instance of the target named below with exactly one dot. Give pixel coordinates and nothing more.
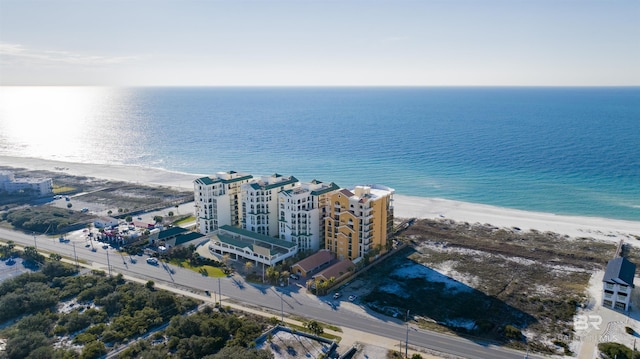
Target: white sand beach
(404, 206)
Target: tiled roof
(315, 260)
(337, 270)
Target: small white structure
(38, 186)
(618, 283)
(104, 222)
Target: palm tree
(248, 266)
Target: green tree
(69, 205)
(31, 254)
(150, 284)
(55, 256)
(241, 353)
(314, 327)
(157, 219)
(128, 219)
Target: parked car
(337, 295)
(294, 276)
(153, 261)
(352, 298)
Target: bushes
(512, 332)
(616, 350)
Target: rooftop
(258, 237)
(315, 260)
(620, 271)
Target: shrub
(512, 332)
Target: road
(292, 299)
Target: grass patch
(184, 220)
(322, 335)
(209, 271)
(63, 189)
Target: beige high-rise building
(218, 200)
(359, 220)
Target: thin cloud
(17, 52)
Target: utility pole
(75, 255)
(220, 292)
(281, 309)
(406, 343)
(35, 244)
(108, 265)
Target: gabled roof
(346, 192)
(187, 237)
(337, 270)
(315, 260)
(620, 271)
(205, 180)
(171, 232)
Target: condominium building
(260, 203)
(218, 200)
(301, 213)
(32, 186)
(359, 220)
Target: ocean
(573, 151)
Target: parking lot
(10, 268)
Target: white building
(260, 203)
(240, 243)
(218, 200)
(618, 284)
(301, 214)
(37, 186)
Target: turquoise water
(560, 150)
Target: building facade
(36, 186)
(218, 200)
(302, 210)
(359, 221)
(618, 283)
(242, 244)
(260, 203)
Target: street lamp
(406, 343)
(34, 241)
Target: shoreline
(404, 206)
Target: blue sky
(320, 43)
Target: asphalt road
(292, 299)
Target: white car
(153, 261)
(352, 298)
